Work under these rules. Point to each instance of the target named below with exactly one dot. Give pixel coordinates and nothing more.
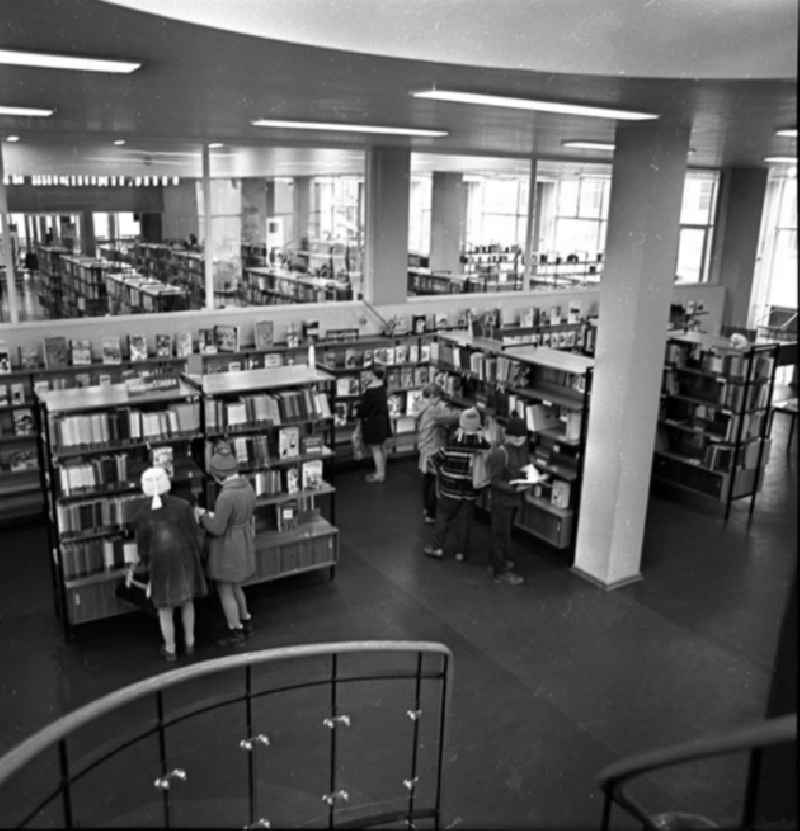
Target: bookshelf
(565, 271)
(406, 361)
(94, 444)
(550, 390)
(713, 429)
(268, 357)
(279, 424)
(271, 285)
(423, 281)
(20, 486)
(495, 264)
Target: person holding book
(231, 557)
(506, 462)
(373, 413)
(168, 543)
(435, 417)
(455, 468)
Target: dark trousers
(502, 519)
(453, 516)
(429, 493)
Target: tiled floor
(553, 680)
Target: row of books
(16, 422)
(539, 417)
(718, 362)
(16, 458)
(716, 423)
(405, 403)
(274, 409)
(255, 451)
(126, 424)
(96, 556)
(14, 393)
(715, 391)
(355, 358)
(111, 471)
(112, 512)
(568, 339)
(721, 457)
(307, 476)
(556, 491)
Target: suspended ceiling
(200, 84)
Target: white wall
(180, 211)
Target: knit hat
(155, 482)
(432, 391)
(223, 463)
(516, 426)
(469, 421)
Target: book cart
(406, 361)
(714, 418)
(550, 390)
(279, 424)
(95, 444)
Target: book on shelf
(353, 358)
(41, 385)
(267, 482)
(29, 356)
(313, 444)
(413, 353)
(413, 401)
(421, 376)
(312, 474)
(407, 377)
(163, 346)
(368, 357)
(56, 352)
(17, 393)
(5, 359)
(401, 353)
(3, 395)
(573, 425)
(137, 347)
(425, 353)
(183, 344)
(111, 350)
(264, 333)
(393, 378)
(272, 360)
(395, 403)
(560, 493)
(162, 457)
(81, 352)
(23, 421)
(418, 324)
(287, 517)
(405, 424)
(227, 337)
(539, 417)
(207, 345)
(6, 423)
(292, 480)
(340, 414)
(288, 442)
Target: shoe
(510, 578)
(373, 479)
(247, 626)
(169, 657)
(430, 520)
(189, 649)
(430, 551)
(233, 638)
(460, 558)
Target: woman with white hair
(168, 541)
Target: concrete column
(301, 210)
(743, 191)
(6, 259)
(254, 211)
(635, 292)
(88, 243)
(208, 242)
(388, 178)
(448, 221)
(532, 231)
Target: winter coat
(454, 463)
(505, 462)
(232, 553)
(168, 540)
(373, 411)
(434, 420)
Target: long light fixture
(13, 57)
(12, 139)
(215, 145)
(531, 104)
(119, 142)
(588, 145)
(780, 159)
(32, 111)
(348, 128)
(789, 132)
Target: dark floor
(553, 680)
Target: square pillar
(448, 221)
(635, 292)
(388, 179)
(301, 211)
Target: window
(497, 211)
(698, 213)
(419, 214)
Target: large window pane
(691, 255)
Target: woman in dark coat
(168, 541)
(373, 411)
(232, 555)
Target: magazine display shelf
(292, 536)
(91, 430)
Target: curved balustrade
(325, 735)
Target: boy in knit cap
(454, 463)
(506, 461)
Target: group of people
(452, 444)
(181, 547)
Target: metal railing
(145, 720)
(613, 779)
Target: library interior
(440, 364)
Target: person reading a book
(231, 557)
(435, 418)
(507, 465)
(373, 413)
(169, 547)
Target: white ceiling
(201, 84)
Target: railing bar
(152, 731)
(751, 789)
(39, 807)
(250, 760)
(440, 763)
(332, 783)
(383, 819)
(628, 803)
(415, 737)
(607, 801)
(66, 795)
(162, 750)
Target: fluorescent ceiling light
(780, 160)
(588, 145)
(348, 128)
(215, 145)
(788, 133)
(119, 142)
(531, 104)
(12, 139)
(24, 111)
(14, 58)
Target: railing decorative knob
(247, 744)
(410, 784)
(330, 798)
(414, 715)
(163, 782)
(331, 723)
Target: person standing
(168, 542)
(505, 462)
(457, 495)
(231, 558)
(435, 417)
(373, 412)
